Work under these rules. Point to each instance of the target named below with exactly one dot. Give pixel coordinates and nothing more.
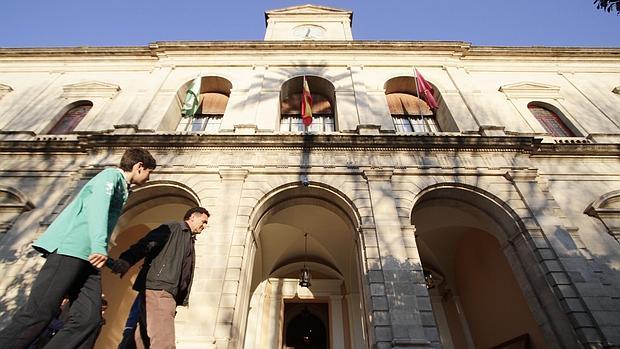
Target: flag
(425, 91)
(191, 103)
(306, 104)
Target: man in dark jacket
(165, 278)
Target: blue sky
(43, 23)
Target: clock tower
(308, 22)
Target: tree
(608, 5)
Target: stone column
(230, 195)
(370, 121)
(466, 103)
(209, 319)
(399, 297)
(336, 321)
(27, 114)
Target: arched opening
(74, 113)
(323, 105)
(551, 119)
(148, 207)
(410, 113)
(12, 204)
(213, 99)
(279, 254)
(476, 298)
(306, 325)
(607, 209)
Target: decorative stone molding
(90, 89)
(4, 89)
(378, 174)
(245, 129)
(491, 130)
(522, 176)
(531, 90)
(607, 209)
(368, 129)
(12, 204)
(233, 174)
(410, 343)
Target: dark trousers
(60, 276)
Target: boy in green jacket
(76, 247)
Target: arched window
(214, 94)
(12, 204)
(71, 118)
(607, 209)
(552, 123)
(322, 92)
(409, 112)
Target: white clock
(308, 31)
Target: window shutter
(70, 120)
(550, 121)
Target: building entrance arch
(148, 206)
(282, 223)
(480, 292)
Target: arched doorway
(462, 239)
(281, 222)
(148, 207)
(306, 326)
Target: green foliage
(608, 5)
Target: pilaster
(395, 274)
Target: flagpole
(417, 91)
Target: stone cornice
(457, 48)
(526, 145)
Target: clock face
(308, 31)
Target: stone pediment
(4, 89)
(308, 22)
(91, 89)
(308, 9)
(534, 90)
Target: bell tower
(308, 22)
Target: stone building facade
(493, 220)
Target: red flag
(425, 91)
(306, 104)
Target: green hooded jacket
(85, 225)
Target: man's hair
(133, 156)
(193, 210)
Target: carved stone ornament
(90, 89)
(531, 90)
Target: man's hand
(120, 267)
(97, 260)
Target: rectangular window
(201, 123)
(320, 123)
(415, 123)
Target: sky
(61, 23)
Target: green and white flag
(191, 103)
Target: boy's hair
(193, 210)
(134, 155)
